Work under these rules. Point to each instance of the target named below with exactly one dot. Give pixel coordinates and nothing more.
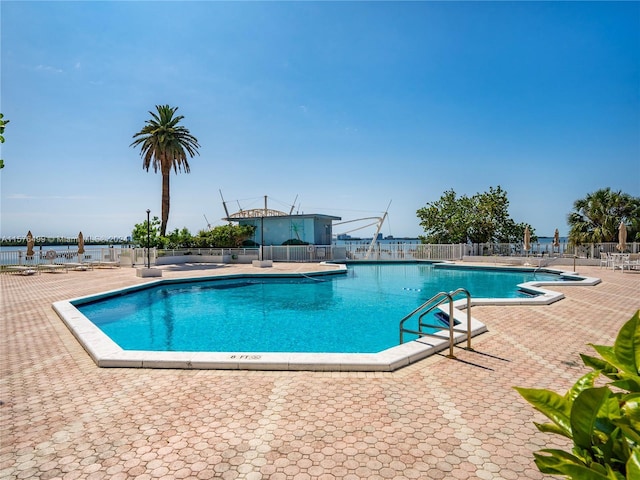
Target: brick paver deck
(63, 417)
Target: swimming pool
(354, 313)
(107, 353)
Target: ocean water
(57, 248)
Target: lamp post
(148, 240)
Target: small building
(275, 228)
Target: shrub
(294, 241)
(225, 236)
(602, 421)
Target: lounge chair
(52, 267)
(79, 266)
(21, 269)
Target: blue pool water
(358, 312)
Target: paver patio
(63, 417)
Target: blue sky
(346, 105)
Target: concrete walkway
(63, 417)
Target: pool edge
(106, 353)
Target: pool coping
(106, 353)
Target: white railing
(132, 257)
(538, 249)
(206, 255)
(404, 251)
(192, 251)
(298, 253)
(380, 252)
(302, 253)
(60, 255)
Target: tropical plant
(3, 122)
(445, 220)
(512, 232)
(482, 218)
(295, 241)
(164, 145)
(139, 234)
(225, 236)
(602, 421)
(178, 239)
(596, 217)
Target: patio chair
(631, 262)
(605, 259)
(618, 260)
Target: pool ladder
(430, 305)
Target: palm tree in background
(165, 145)
(2, 125)
(596, 217)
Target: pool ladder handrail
(428, 306)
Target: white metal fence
(380, 252)
(538, 249)
(395, 252)
(206, 255)
(303, 253)
(131, 257)
(60, 256)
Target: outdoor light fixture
(148, 240)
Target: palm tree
(2, 124)
(597, 216)
(165, 145)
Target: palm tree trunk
(165, 202)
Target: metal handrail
(439, 299)
(468, 295)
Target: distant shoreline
(49, 242)
(41, 242)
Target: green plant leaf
(625, 354)
(583, 383)
(629, 431)
(599, 364)
(607, 353)
(584, 414)
(631, 384)
(559, 462)
(615, 451)
(610, 408)
(631, 406)
(604, 424)
(555, 460)
(633, 464)
(627, 345)
(551, 428)
(556, 407)
(629, 423)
